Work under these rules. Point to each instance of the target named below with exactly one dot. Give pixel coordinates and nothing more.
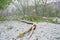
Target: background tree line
(33, 11)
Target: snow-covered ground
(44, 31)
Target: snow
(44, 31)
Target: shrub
(2, 18)
(34, 18)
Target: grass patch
(36, 18)
(33, 18)
(49, 19)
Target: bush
(2, 18)
(51, 20)
(34, 18)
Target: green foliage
(2, 18)
(49, 19)
(36, 18)
(33, 18)
(4, 3)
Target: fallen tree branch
(24, 21)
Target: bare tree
(44, 2)
(36, 3)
